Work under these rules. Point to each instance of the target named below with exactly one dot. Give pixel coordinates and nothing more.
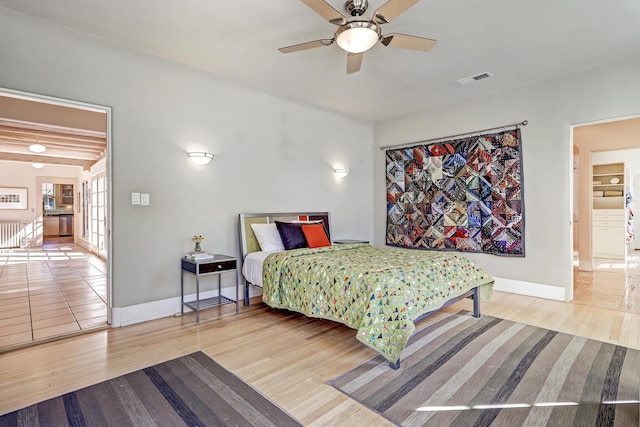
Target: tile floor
(611, 284)
(47, 292)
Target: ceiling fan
(358, 35)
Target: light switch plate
(135, 198)
(144, 199)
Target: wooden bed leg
(395, 366)
(476, 302)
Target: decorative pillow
(268, 237)
(315, 235)
(291, 235)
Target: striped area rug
(463, 371)
(192, 390)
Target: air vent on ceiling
(475, 78)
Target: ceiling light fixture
(200, 158)
(37, 147)
(37, 165)
(357, 36)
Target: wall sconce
(341, 173)
(200, 158)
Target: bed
(379, 292)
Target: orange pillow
(315, 235)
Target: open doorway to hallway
(54, 251)
(606, 262)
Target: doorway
(58, 201)
(65, 229)
(607, 156)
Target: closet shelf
(609, 213)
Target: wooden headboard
(248, 241)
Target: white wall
(22, 175)
(630, 157)
(550, 107)
(17, 174)
(270, 154)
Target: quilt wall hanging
(460, 195)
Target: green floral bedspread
(378, 291)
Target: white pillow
(268, 237)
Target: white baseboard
(530, 289)
(585, 265)
(124, 316)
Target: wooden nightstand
(346, 241)
(216, 266)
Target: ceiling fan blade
(354, 61)
(325, 10)
(405, 41)
(392, 9)
(305, 46)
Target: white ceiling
(518, 41)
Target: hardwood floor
(48, 292)
(285, 356)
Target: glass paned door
(86, 197)
(99, 212)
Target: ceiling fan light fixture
(357, 36)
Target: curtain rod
(522, 123)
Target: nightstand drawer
(217, 266)
(209, 266)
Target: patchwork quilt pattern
(377, 291)
(462, 195)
